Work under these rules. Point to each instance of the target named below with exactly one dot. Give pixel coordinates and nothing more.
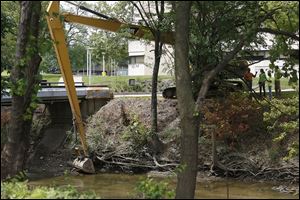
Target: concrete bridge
(91, 99)
(55, 101)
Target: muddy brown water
(111, 186)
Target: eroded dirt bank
(118, 137)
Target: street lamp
(89, 62)
(103, 69)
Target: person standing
(277, 76)
(261, 82)
(269, 83)
(248, 76)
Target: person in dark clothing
(261, 82)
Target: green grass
(111, 80)
(48, 77)
(51, 77)
(284, 83)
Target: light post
(89, 62)
(103, 69)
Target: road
(135, 95)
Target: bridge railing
(46, 84)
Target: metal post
(103, 71)
(87, 61)
(92, 64)
(90, 68)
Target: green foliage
(9, 20)
(293, 150)
(114, 45)
(150, 189)
(136, 133)
(286, 18)
(123, 86)
(77, 54)
(180, 168)
(217, 27)
(4, 85)
(21, 190)
(14, 190)
(33, 104)
(283, 125)
(19, 87)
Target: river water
(112, 186)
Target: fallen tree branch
(165, 165)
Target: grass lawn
(284, 83)
(111, 80)
(51, 77)
(48, 77)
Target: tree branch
(142, 16)
(209, 76)
(279, 32)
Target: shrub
(21, 190)
(150, 189)
(282, 121)
(136, 133)
(231, 118)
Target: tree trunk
(157, 55)
(23, 78)
(156, 144)
(188, 121)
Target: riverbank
(116, 186)
(117, 136)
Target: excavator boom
(114, 25)
(55, 22)
(57, 33)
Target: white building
(262, 53)
(141, 59)
(141, 54)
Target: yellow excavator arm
(114, 25)
(56, 28)
(55, 21)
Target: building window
(136, 60)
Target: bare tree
(155, 26)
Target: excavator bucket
(84, 164)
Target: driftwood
(124, 160)
(232, 165)
(245, 167)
